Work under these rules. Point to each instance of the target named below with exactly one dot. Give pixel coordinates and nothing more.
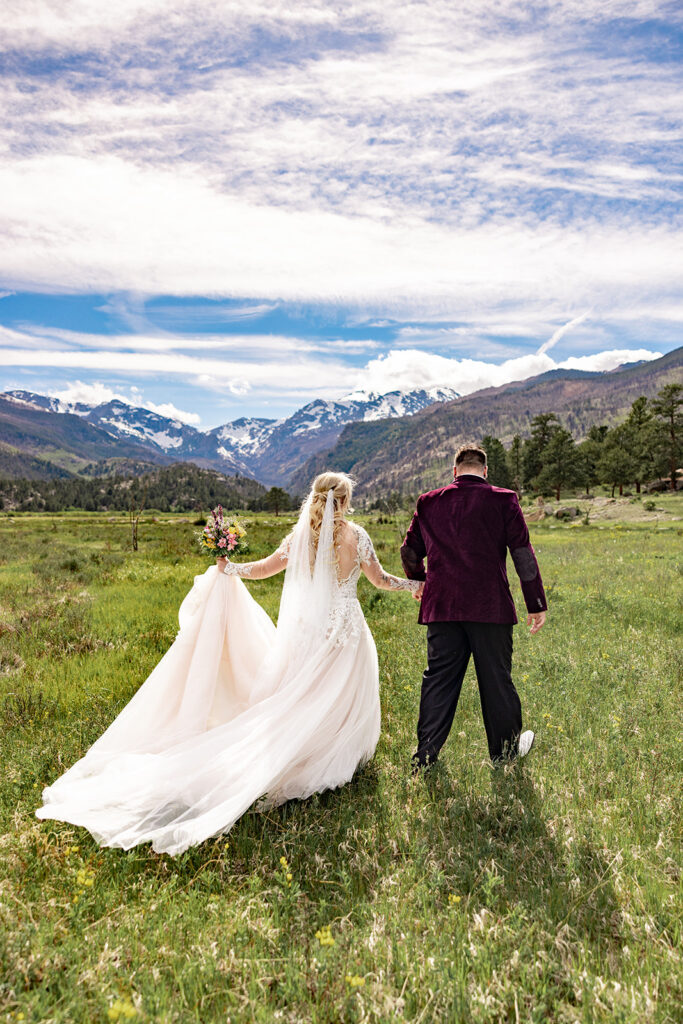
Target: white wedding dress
(238, 710)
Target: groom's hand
(535, 620)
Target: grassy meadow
(550, 892)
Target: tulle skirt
(234, 713)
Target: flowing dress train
(238, 711)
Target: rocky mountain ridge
(268, 450)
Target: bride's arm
(379, 577)
(260, 570)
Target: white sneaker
(526, 742)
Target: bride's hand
(221, 564)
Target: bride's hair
(342, 485)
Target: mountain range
(42, 436)
(402, 441)
(414, 454)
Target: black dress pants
(449, 646)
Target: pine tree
(277, 499)
(616, 465)
(562, 463)
(667, 408)
(498, 471)
(516, 464)
(640, 432)
(542, 428)
(591, 451)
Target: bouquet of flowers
(222, 536)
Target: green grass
(549, 893)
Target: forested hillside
(41, 441)
(183, 487)
(413, 454)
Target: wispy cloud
(295, 135)
(304, 377)
(560, 333)
(500, 168)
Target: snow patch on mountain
(244, 435)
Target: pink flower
(231, 542)
(222, 542)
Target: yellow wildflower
(453, 899)
(121, 1008)
(324, 936)
(355, 980)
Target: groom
(464, 531)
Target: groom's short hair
(470, 455)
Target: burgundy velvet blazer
(464, 531)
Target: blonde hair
(342, 485)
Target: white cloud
(387, 155)
(301, 377)
(603, 361)
(174, 233)
(172, 412)
(493, 165)
(87, 394)
(98, 394)
(276, 367)
(413, 368)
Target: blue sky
(226, 209)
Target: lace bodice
(362, 557)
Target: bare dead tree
(135, 510)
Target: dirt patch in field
(648, 509)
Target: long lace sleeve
(265, 567)
(370, 564)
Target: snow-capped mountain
(124, 420)
(246, 435)
(270, 450)
(31, 400)
(273, 449)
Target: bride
(238, 710)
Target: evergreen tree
(591, 451)
(542, 428)
(516, 464)
(277, 499)
(640, 431)
(562, 463)
(667, 407)
(499, 473)
(616, 465)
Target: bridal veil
(237, 711)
